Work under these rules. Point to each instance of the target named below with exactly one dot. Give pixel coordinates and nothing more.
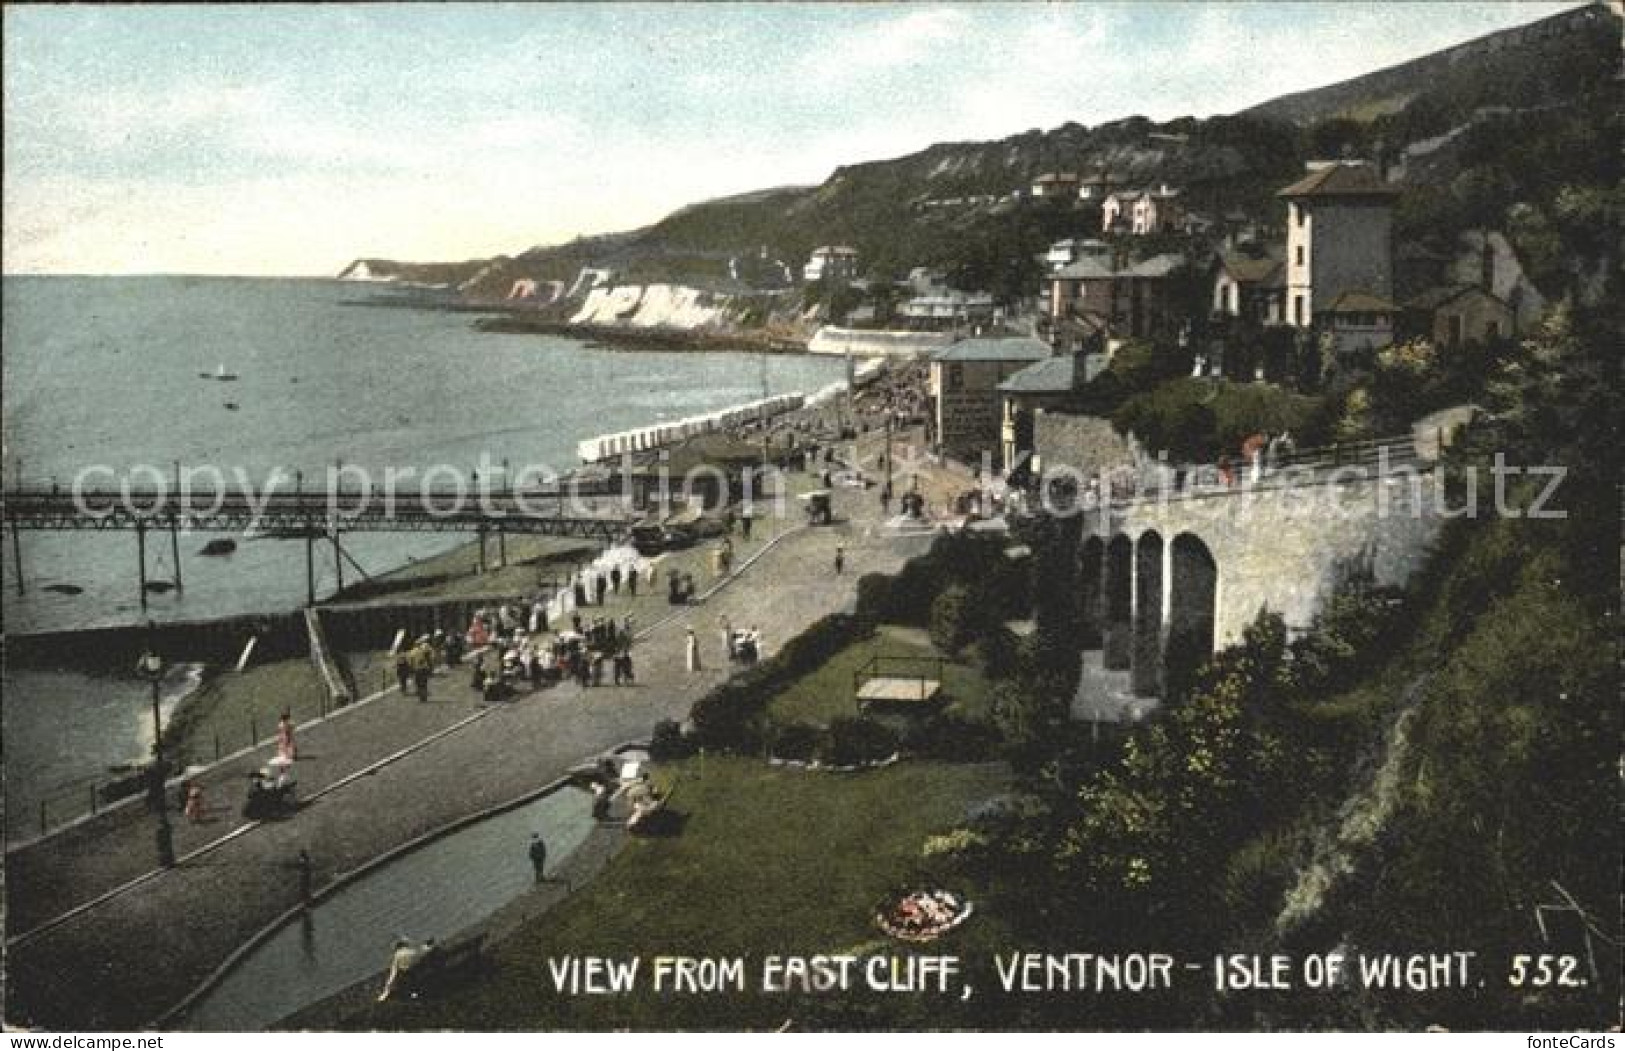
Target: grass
(232, 706)
(768, 861)
(827, 692)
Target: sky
(291, 139)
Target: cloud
(886, 45)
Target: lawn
(827, 693)
(768, 861)
(232, 706)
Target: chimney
(1486, 265)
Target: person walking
(403, 667)
(632, 581)
(422, 664)
(692, 648)
(840, 559)
(538, 856)
(580, 595)
(194, 803)
(615, 579)
(284, 737)
(601, 587)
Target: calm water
(436, 892)
(105, 371)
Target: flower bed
(922, 915)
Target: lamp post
(151, 667)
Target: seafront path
(99, 939)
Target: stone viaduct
(1187, 570)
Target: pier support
(338, 562)
(141, 559)
(175, 551)
(502, 548)
(17, 557)
(310, 568)
(481, 562)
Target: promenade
(373, 777)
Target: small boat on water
(223, 546)
(219, 373)
(233, 406)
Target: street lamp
(151, 667)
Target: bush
(731, 717)
(856, 741)
(953, 619)
(667, 742)
(798, 742)
(1000, 652)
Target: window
(1492, 330)
(1297, 214)
(1300, 255)
(1297, 310)
(1454, 328)
(956, 377)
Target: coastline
(612, 337)
(505, 316)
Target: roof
(1014, 348)
(834, 250)
(1434, 298)
(1341, 180)
(1050, 376)
(1090, 268)
(1057, 177)
(1360, 303)
(1251, 270)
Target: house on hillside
(834, 262)
(1041, 387)
(948, 307)
(1116, 212)
(1156, 211)
(1131, 300)
(1250, 286)
(1064, 253)
(1142, 212)
(1358, 321)
(1339, 240)
(1097, 187)
(1052, 185)
(964, 391)
(1451, 315)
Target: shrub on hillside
(856, 741)
(953, 619)
(667, 742)
(797, 742)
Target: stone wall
(1086, 444)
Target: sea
(104, 373)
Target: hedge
(731, 717)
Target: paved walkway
(125, 961)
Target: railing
(881, 666)
(1313, 466)
(310, 514)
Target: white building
(835, 262)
